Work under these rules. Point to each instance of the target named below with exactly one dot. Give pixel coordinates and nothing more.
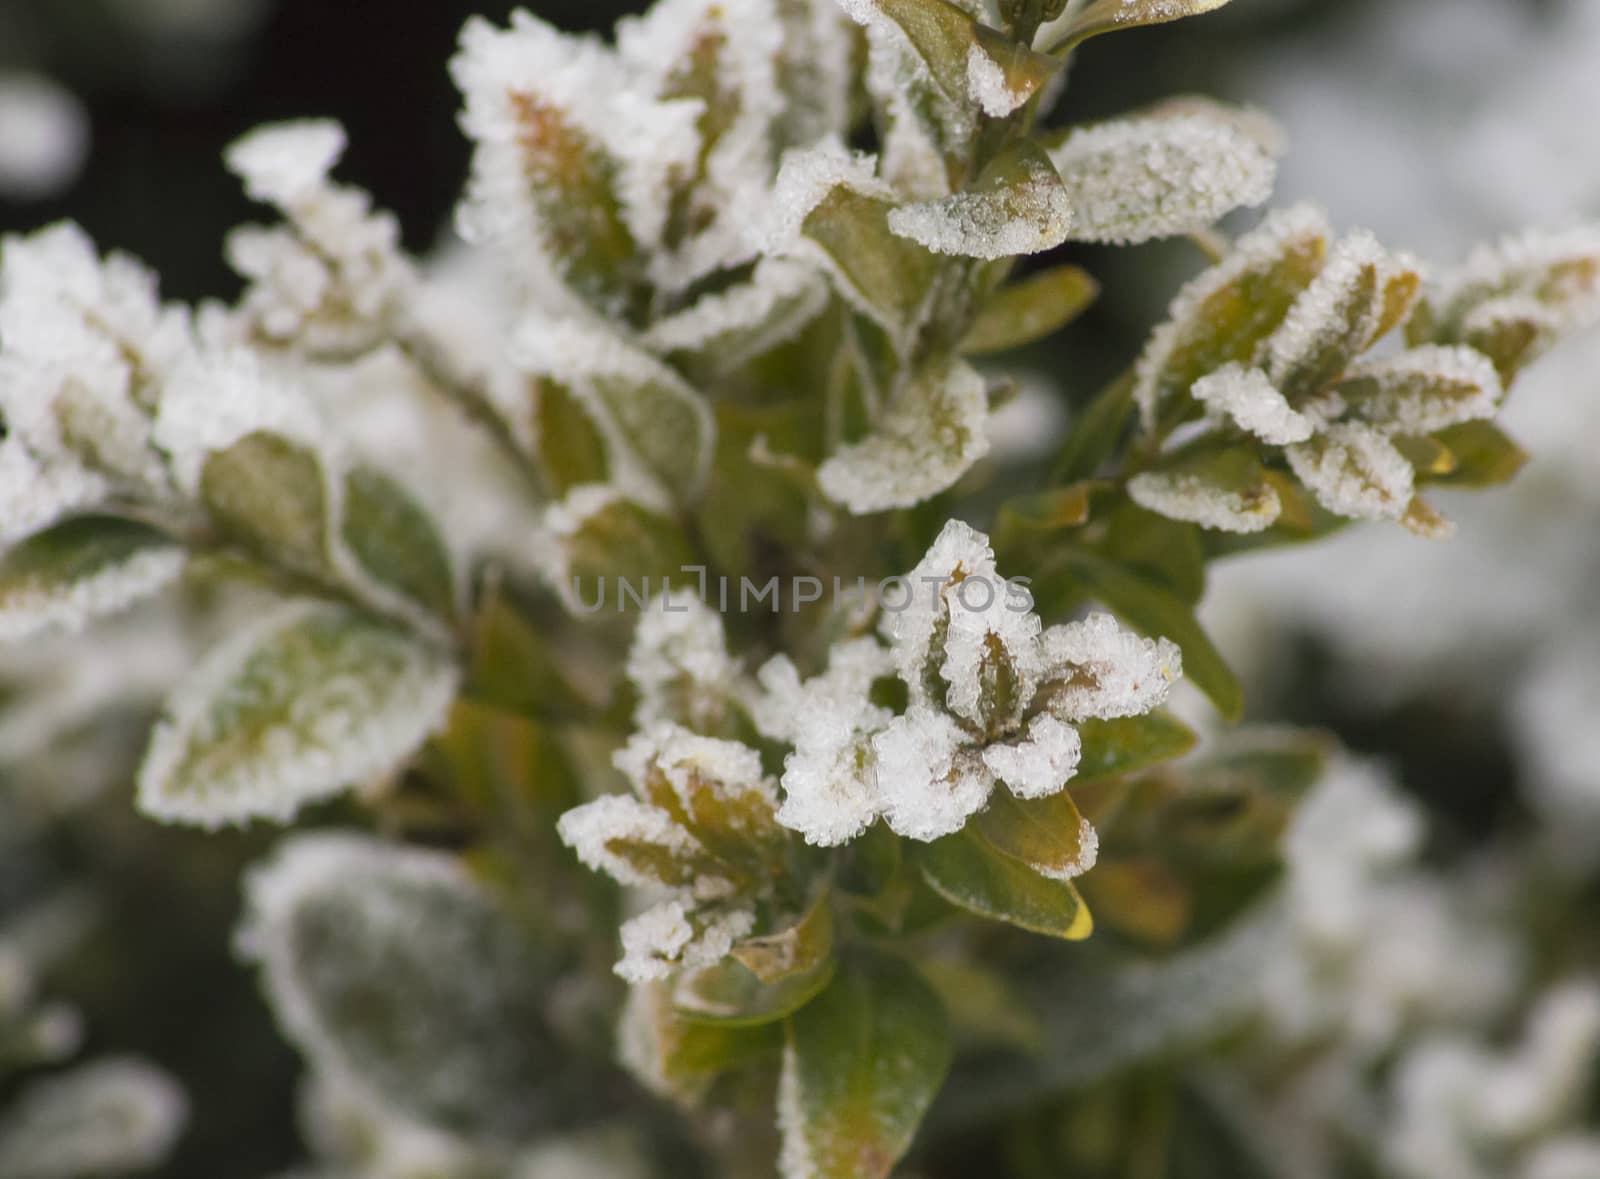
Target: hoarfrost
(679, 663)
(29, 607)
(1097, 669)
(1183, 495)
(1354, 471)
(930, 782)
(1338, 313)
(111, 1116)
(1130, 180)
(1254, 403)
(1424, 390)
(675, 857)
(1027, 215)
(668, 938)
(928, 438)
(987, 84)
(1037, 766)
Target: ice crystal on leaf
(1355, 471)
(1130, 180)
(112, 1116)
(679, 664)
(698, 829)
(1019, 206)
(1199, 499)
(1248, 396)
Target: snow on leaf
(641, 845)
(931, 779)
(1423, 390)
(721, 56)
(35, 494)
(1130, 180)
(679, 663)
(1018, 206)
(1254, 403)
(1354, 471)
(108, 1117)
(451, 1031)
(815, 70)
(1039, 764)
(81, 570)
(215, 399)
(301, 704)
(1097, 669)
(926, 440)
(669, 938)
(658, 431)
(829, 787)
(914, 627)
(1002, 75)
(1224, 314)
(287, 163)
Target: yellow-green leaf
(968, 874)
(1107, 16)
(861, 1066)
(1031, 309)
(1111, 748)
(396, 542)
(1047, 834)
(270, 495)
(1485, 456)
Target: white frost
(1184, 495)
(1354, 471)
(1254, 403)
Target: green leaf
(301, 704)
(984, 1007)
(396, 541)
(681, 1058)
(1112, 748)
(1221, 490)
(270, 494)
(884, 276)
(1031, 309)
(1157, 611)
(569, 447)
(1095, 433)
(1166, 550)
(1018, 205)
(1485, 456)
(82, 569)
(1047, 834)
(861, 1066)
(1042, 512)
(969, 875)
(1107, 16)
(730, 994)
(389, 968)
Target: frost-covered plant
(633, 537)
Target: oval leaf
(74, 572)
(308, 701)
(861, 1065)
(968, 874)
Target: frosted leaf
(1093, 19)
(679, 663)
(721, 55)
(747, 320)
(1039, 766)
(1019, 206)
(917, 71)
(292, 708)
(816, 71)
(658, 431)
(713, 788)
(668, 938)
(914, 115)
(1559, 271)
(287, 163)
(1334, 320)
(640, 845)
(1130, 180)
(44, 136)
(829, 787)
(34, 495)
(1223, 314)
(217, 398)
(1192, 497)
(453, 1035)
(572, 163)
(105, 1118)
(1255, 405)
(80, 571)
(805, 177)
(1098, 669)
(928, 438)
(1550, 1072)
(1424, 390)
(930, 781)
(912, 627)
(991, 652)
(989, 87)
(1354, 471)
